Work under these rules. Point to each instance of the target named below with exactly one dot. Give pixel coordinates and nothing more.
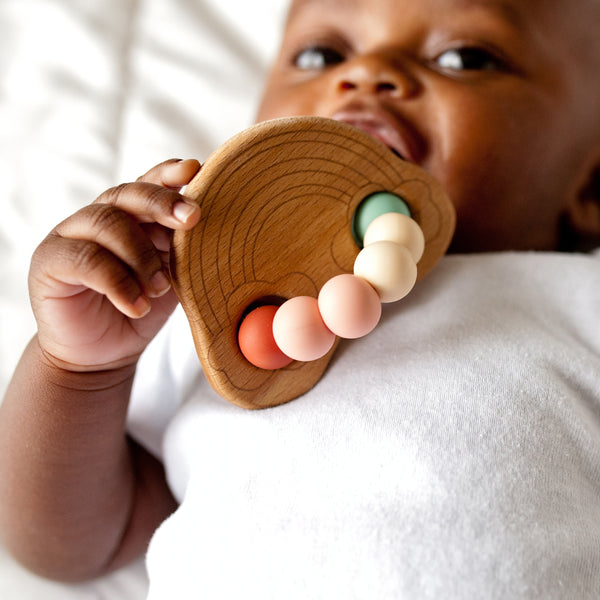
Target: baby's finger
(172, 173)
(160, 236)
(79, 265)
(115, 232)
(151, 203)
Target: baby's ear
(583, 212)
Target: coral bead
(389, 268)
(349, 306)
(256, 341)
(395, 227)
(300, 331)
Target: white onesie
(452, 453)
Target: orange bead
(256, 341)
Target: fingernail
(142, 306)
(184, 161)
(160, 283)
(182, 211)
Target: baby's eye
(469, 59)
(318, 57)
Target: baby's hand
(99, 282)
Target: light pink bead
(349, 306)
(300, 331)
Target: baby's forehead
(583, 9)
(576, 22)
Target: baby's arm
(78, 497)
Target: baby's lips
(386, 127)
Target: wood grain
(277, 205)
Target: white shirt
(454, 452)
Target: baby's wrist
(85, 378)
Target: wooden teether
(278, 202)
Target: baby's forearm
(78, 498)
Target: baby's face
(483, 94)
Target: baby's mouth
(384, 128)
(383, 134)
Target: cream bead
(389, 267)
(395, 227)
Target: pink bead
(300, 331)
(349, 306)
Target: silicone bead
(349, 306)
(300, 331)
(256, 341)
(388, 267)
(372, 207)
(394, 227)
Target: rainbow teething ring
(278, 221)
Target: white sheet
(92, 94)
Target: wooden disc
(277, 206)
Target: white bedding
(93, 94)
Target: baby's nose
(376, 74)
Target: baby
(452, 453)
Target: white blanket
(453, 453)
(93, 94)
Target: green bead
(372, 207)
